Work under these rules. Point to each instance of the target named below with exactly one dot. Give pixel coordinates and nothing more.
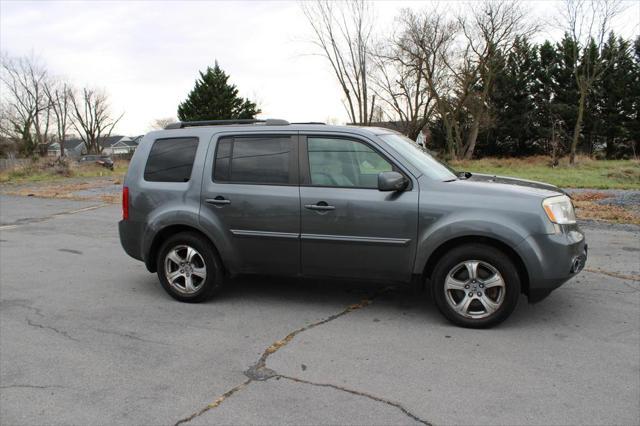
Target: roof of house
(111, 140)
(74, 143)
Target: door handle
(320, 206)
(218, 201)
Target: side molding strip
(320, 237)
(264, 234)
(355, 239)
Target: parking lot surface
(88, 336)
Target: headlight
(559, 210)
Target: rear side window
(256, 159)
(171, 160)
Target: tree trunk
(578, 127)
(471, 139)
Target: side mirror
(392, 181)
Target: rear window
(171, 160)
(255, 159)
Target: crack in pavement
(48, 327)
(215, 403)
(30, 220)
(260, 372)
(131, 336)
(31, 387)
(613, 274)
(359, 393)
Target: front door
(252, 193)
(348, 227)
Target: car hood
(511, 185)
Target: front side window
(255, 159)
(171, 160)
(344, 163)
(421, 159)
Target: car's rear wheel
(476, 286)
(189, 268)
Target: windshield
(419, 158)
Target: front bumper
(552, 260)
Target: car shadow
(337, 294)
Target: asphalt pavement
(88, 336)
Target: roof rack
(309, 122)
(267, 122)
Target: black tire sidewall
(213, 281)
(495, 257)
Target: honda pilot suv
(206, 200)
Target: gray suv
(206, 200)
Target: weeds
(586, 173)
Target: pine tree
(213, 98)
(512, 97)
(545, 118)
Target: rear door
(348, 227)
(252, 192)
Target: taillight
(125, 203)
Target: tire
(189, 268)
(494, 292)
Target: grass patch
(50, 170)
(586, 173)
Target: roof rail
(267, 122)
(309, 122)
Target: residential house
(119, 145)
(72, 148)
(113, 145)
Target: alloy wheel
(185, 269)
(474, 289)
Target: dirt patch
(587, 210)
(590, 196)
(95, 189)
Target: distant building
(113, 145)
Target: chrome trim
(356, 239)
(263, 234)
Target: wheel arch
(168, 231)
(446, 246)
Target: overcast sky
(146, 54)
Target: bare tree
(91, 117)
(28, 118)
(428, 38)
(489, 28)
(59, 94)
(161, 123)
(399, 84)
(344, 31)
(587, 22)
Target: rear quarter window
(171, 160)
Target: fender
(189, 217)
(458, 225)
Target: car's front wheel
(189, 268)
(476, 286)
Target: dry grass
(53, 169)
(589, 210)
(585, 173)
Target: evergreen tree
(564, 107)
(512, 100)
(633, 126)
(547, 121)
(213, 98)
